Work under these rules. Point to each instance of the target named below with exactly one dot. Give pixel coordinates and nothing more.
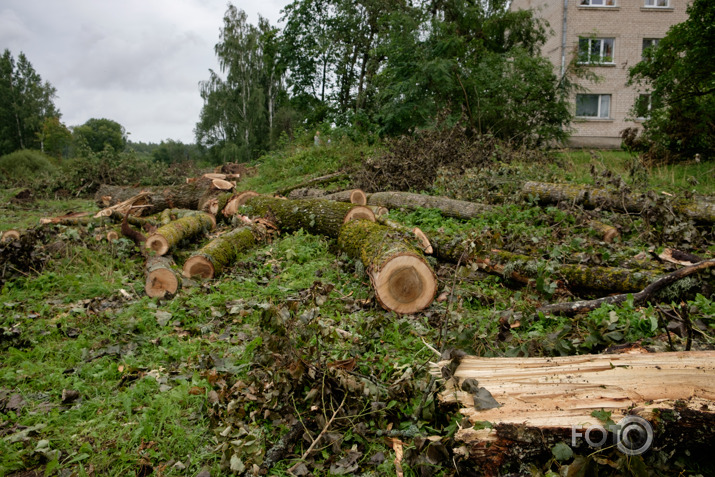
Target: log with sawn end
(402, 279)
(211, 259)
(168, 236)
(162, 277)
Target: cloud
(136, 62)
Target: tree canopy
(97, 134)
(26, 101)
(680, 75)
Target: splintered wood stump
(700, 210)
(174, 232)
(402, 279)
(162, 277)
(542, 401)
(315, 216)
(211, 259)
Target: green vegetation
(26, 166)
(97, 378)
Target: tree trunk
(162, 277)
(182, 196)
(402, 279)
(699, 210)
(168, 236)
(326, 179)
(523, 269)
(534, 403)
(315, 216)
(211, 259)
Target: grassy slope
(213, 377)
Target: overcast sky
(137, 62)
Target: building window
(593, 106)
(642, 106)
(599, 3)
(649, 43)
(595, 50)
(657, 3)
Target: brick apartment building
(610, 37)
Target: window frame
(654, 4)
(644, 102)
(599, 112)
(653, 44)
(589, 57)
(604, 4)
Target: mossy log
(162, 277)
(168, 236)
(523, 269)
(211, 259)
(534, 403)
(315, 216)
(607, 232)
(699, 210)
(400, 275)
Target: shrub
(24, 167)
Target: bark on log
(170, 235)
(162, 277)
(542, 401)
(522, 268)
(156, 199)
(326, 179)
(211, 259)
(574, 308)
(591, 197)
(449, 207)
(315, 216)
(402, 279)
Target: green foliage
(475, 62)
(26, 167)
(98, 134)
(679, 73)
(25, 102)
(55, 138)
(240, 102)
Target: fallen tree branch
(574, 308)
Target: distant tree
(55, 138)
(100, 133)
(680, 75)
(241, 100)
(475, 61)
(25, 102)
(172, 152)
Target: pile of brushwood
(367, 369)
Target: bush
(26, 166)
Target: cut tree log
(534, 403)
(422, 239)
(153, 200)
(607, 232)
(402, 279)
(168, 236)
(211, 259)
(326, 179)
(699, 210)
(524, 269)
(574, 308)
(315, 216)
(9, 235)
(162, 277)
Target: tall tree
(240, 100)
(100, 133)
(55, 138)
(471, 59)
(25, 102)
(680, 75)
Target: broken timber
(170, 235)
(543, 401)
(591, 197)
(402, 279)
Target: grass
(213, 377)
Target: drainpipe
(563, 38)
